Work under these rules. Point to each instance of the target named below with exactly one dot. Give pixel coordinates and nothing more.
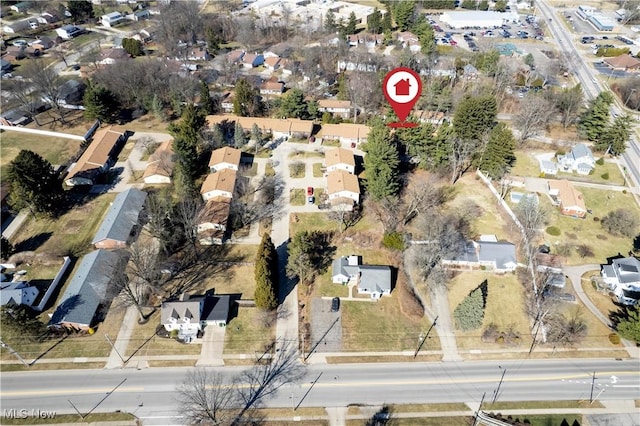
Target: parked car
(335, 304)
(311, 199)
(309, 190)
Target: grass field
(387, 328)
(144, 341)
(317, 170)
(296, 171)
(321, 222)
(589, 232)
(491, 221)
(53, 149)
(248, 333)
(504, 306)
(297, 197)
(71, 233)
(93, 418)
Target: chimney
(184, 297)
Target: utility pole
(497, 391)
(593, 382)
(14, 353)
(425, 337)
(475, 417)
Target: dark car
(335, 304)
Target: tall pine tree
(381, 162)
(266, 275)
(498, 155)
(594, 121)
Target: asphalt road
(151, 393)
(586, 76)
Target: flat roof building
(478, 18)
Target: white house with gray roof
(580, 160)
(121, 219)
(191, 314)
(86, 291)
(374, 280)
(17, 293)
(488, 252)
(623, 277)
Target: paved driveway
(326, 326)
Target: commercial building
(478, 19)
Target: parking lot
(326, 327)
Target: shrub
(572, 236)
(624, 191)
(564, 249)
(584, 250)
(469, 313)
(605, 176)
(596, 219)
(600, 161)
(553, 230)
(622, 222)
(602, 237)
(173, 334)
(614, 338)
(393, 240)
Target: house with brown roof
(226, 102)
(112, 55)
(160, 166)
(212, 221)
(219, 184)
(272, 63)
(335, 107)
(290, 127)
(98, 156)
(623, 62)
(339, 159)
(272, 87)
(252, 60)
(348, 133)
(198, 54)
(287, 66)
(569, 199)
(225, 158)
(343, 188)
(235, 56)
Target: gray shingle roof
(214, 308)
(341, 266)
(627, 270)
(375, 277)
(500, 252)
(87, 288)
(580, 150)
(122, 216)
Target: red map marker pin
(402, 88)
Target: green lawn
(387, 328)
(297, 197)
(491, 221)
(590, 232)
(321, 222)
(55, 150)
(93, 418)
(269, 170)
(144, 341)
(248, 333)
(317, 170)
(504, 306)
(334, 143)
(297, 171)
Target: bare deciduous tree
(345, 216)
(23, 91)
(186, 215)
(47, 82)
(534, 116)
(207, 398)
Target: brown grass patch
(385, 358)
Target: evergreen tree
(100, 103)
(313, 110)
(247, 100)
(132, 46)
(80, 10)
(186, 135)
(343, 87)
(500, 6)
(498, 156)
(427, 38)
(34, 184)
(207, 105)
(469, 313)
(387, 25)
(351, 24)
(266, 275)
(569, 102)
(239, 138)
(330, 22)
(374, 22)
(381, 163)
(293, 104)
(419, 143)
(629, 326)
(615, 136)
(6, 248)
(594, 121)
(403, 13)
(213, 41)
(474, 116)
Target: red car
(309, 190)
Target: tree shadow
(49, 349)
(383, 417)
(33, 242)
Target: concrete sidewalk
(118, 352)
(212, 347)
